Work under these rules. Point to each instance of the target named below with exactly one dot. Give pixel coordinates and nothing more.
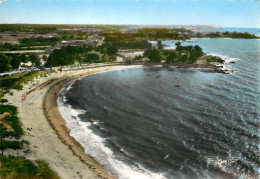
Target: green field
(21, 168)
(36, 28)
(16, 81)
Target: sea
(154, 122)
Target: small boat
(178, 85)
(177, 77)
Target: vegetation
(12, 121)
(108, 28)
(3, 101)
(10, 62)
(16, 81)
(73, 35)
(9, 126)
(140, 39)
(36, 28)
(11, 145)
(70, 55)
(12, 47)
(39, 41)
(227, 34)
(125, 41)
(155, 55)
(130, 44)
(161, 34)
(214, 59)
(184, 54)
(21, 168)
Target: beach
(45, 130)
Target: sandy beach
(46, 130)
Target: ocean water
(138, 124)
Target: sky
(224, 13)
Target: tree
(2, 136)
(3, 101)
(154, 55)
(159, 44)
(111, 50)
(15, 61)
(171, 57)
(199, 51)
(178, 44)
(44, 57)
(5, 63)
(92, 57)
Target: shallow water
(138, 123)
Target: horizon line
(126, 24)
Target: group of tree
(39, 41)
(73, 35)
(214, 59)
(227, 34)
(10, 62)
(184, 54)
(162, 33)
(85, 54)
(139, 39)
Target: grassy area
(21, 168)
(16, 81)
(12, 47)
(31, 44)
(12, 121)
(108, 28)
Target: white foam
(94, 144)
(70, 86)
(225, 58)
(237, 171)
(225, 67)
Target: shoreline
(37, 106)
(45, 130)
(58, 124)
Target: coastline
(45, 130)
(55, 119)
(38, 100)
